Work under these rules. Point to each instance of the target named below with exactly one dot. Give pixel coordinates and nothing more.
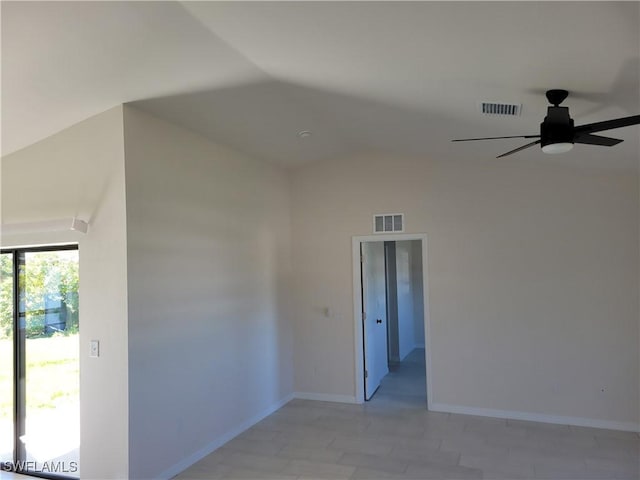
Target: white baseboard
(325, 397)
(221, 440)
(536, 417)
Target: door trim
(357, 308)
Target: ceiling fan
(557, 132)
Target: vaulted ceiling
(404, 77)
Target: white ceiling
(403, 77)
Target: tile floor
(394, 437)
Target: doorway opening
(391, 318)
(39, 371)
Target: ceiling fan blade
(608, 124)
(589, 139)
(493, 138)
(519, 148)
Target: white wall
(406, 327)
(80, 171)
(210, 345)
(392, 302)
(417, 293)
(410, 295)
(533, 271)
(404, 297)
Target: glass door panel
(6, 358)
(49, 437)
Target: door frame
(357, 307)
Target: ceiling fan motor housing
(557, 127)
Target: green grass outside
(52, 373)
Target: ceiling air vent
(388, 223)
(496, 108)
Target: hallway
(405, 384)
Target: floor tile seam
(584, 467)
(528, 463)
(546, 456)
(374, 468)
(277, 471)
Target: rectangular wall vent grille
(388, 223)
(495, 108)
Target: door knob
(378, 321)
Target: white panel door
(374, 305)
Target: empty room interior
(339, 240)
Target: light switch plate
(94, 348)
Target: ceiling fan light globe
(554, 148)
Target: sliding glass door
(44, 350)
(7, 380)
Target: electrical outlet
(94, 348)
